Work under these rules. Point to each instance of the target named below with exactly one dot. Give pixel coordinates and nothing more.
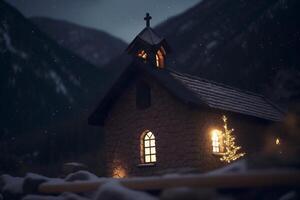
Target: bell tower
(149, 46)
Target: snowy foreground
(26, 188)
(16, 188)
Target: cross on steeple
(147, 19)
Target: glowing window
(216, 137)
(142, 54)
(160, 59)
(148, 147)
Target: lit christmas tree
(230, 153)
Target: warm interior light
(149, 149)
(142, 54)
(277, 141)
(215, 137)
(119, 172)
(223, 143)
(160, 60)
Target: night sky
(122, 18)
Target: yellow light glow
(215, 136)
(231, 150)
(148, 149)
(152, 143)
(153, 158)
(153, 151)
(277, 141)
(119, 172)
(160, 59)
(223, 143)
(147, 158)
(142, 54)
(147, 143)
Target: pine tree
(231, 150)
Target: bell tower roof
(148, 35)
(147, 39)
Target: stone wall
(182, 133)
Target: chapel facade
(157, 120)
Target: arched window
(148, 148)
(160, 58)
(217, 143)
(142, 54)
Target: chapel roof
(224, 97)
(148, 39)
(192, 90)
(148, 35)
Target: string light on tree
(231, 150)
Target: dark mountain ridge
(93, 45)
(46, 95)
(252, 45)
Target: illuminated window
(160, 58)
(148, 151)
(216, 137)
(223, 144)
(142, 54)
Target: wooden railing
(249, 179)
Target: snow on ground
(239, 166)
(114, 191)
(81, 176)
(11, 184)
(111, 189)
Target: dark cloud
(122, 18)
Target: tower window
(142, 54)
(143, 95)
(160, 59)
(148, 148)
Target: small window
(217, 143)
(143, 95)
(160, 59)
(148, 148)
(142, 54)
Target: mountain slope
(46, 95)
(93, 45)
(38, 78)
(247, 44)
